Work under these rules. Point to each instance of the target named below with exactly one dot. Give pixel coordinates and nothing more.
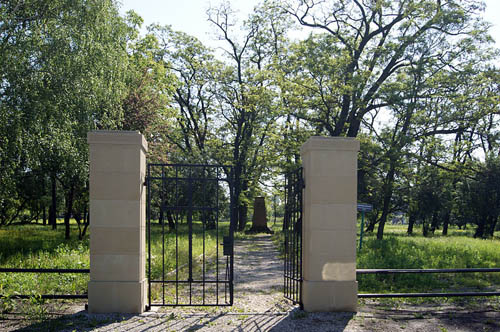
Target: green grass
(456, 250)
(34, 246)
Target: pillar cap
(315, 143)
(117, 137)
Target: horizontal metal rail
(391, 271)
(194, 179)
(190, 305)
(190, 282)
(451, 294)
(15, 270)
(48, 296)
(192, 165)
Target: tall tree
(374, 41)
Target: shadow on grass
(463, 314)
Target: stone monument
(259, 219)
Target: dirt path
(259, 306)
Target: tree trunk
(160, 219)
(69, 211)
(372, 222)
(425, 228)
(480, 229)
(242, 216)
(44, 215)
(53, 207)
(35, 216)
(434, 222)
(78, 219)
(86, 220)
(446, 221)
(491, 226)
(411, 222)
(387, 200)
(171, 223)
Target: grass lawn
(37, 246)
(456, 250)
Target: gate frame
(228, 241)
(292, 228)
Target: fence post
(117, 222)
(329, 227)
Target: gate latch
(227, 246)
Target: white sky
(190, 16)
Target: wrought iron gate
(190, 224)
(292, 229)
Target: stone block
(330, 217)
(122, 297)
(324, 296)
(114, 240)
(320, 143)
(117, 213)
(337, 243)
(116, 158)
(117, 267)
(326, 268)
(340, 163)
(331, 189)
(116, 186)
(117, 137)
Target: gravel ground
(259, 306)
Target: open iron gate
(292, 229)
(190, 225)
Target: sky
(190, 16)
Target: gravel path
(259, 306)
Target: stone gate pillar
(117, 222)
(329, 227)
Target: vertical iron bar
(284, 227)
(190, 232)
(232, 220)
(176, 236)
(162, 206)
(190, 227)
(301, 215)
(203, 222)
(296, 233)
(217, 240)
(148, 213)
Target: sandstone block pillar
(329, 226)
(117, 222)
